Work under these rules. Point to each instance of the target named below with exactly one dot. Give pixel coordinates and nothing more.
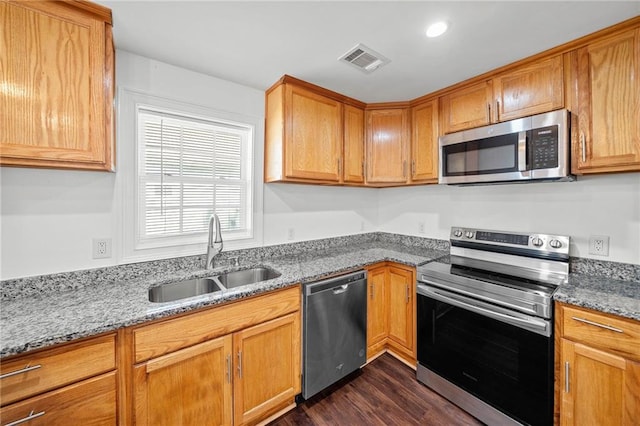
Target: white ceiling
(255, 43)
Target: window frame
(132, 249)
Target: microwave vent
(363, 58)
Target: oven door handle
(537, 326)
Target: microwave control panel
(544, 148)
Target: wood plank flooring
(386, 392)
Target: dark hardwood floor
(386, 392)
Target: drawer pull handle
(23, 370)
(30, 417)
(566, 377)
(608, 327)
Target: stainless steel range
(485, 323)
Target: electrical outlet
(291, 234)
(599, 245)
(101, 248)
(421, 227)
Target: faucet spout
(214, 246)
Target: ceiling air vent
(363, 58)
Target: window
(189, 167)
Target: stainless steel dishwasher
(334, 330)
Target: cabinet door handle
(608, 327)
(404, 169)
(488, 113)
(30, 417)
(497, 111)
(371, 291)
(407, 288)
(339, 167)
(413, 168)
(363, 168)
(583, 148)
(21, 371)
(566, 377)
(229, 368)
(240, 364)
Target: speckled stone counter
(36, 313)
(602, 294)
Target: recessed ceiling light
(437, 29)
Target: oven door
(489, 356)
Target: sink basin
(244, 277)
(183, 289)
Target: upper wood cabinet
(607, 76)
(530, 89)
(424, 142)
(57, 61)
(353, 154)
(466, 108)
(387, 141)
(303, 136)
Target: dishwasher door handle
(340, 289)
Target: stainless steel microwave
(524, 150)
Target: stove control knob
(457, 233)
(469, 234)
(555, 244)
(537, 241)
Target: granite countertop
(47, 310)
(603, 294)
(53, 317)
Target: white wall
(48, 218)
(594, 205)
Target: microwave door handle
(522, 151)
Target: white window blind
(189, 168)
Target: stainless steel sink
(199, 286)
(183, 289)
(246, 276)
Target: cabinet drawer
(42, 371)
(158, 339)
(90, 402)
(603, 330)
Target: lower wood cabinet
(391, 311)
(90, 402)
(73, 383)
(191, 386)
(598, 379)
(240, 369)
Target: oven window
(505, 366)
(498, 154)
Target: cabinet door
(387, 145)
(597, 387)
(353, 158)
(314, 135)
(609, 105)
(90, 402)
(191, 386)
(401, 309)
(57, 66)
(377, 312)
(466, 108)
(529, 90)
(424, 142)
(267, 371)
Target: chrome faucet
(212, 250)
